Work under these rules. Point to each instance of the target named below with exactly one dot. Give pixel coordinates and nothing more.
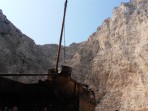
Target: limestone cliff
(20, 55)
(114, 60)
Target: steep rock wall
(20, 55)
(114, 60)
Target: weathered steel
(5, 75)
(58, 93)
(59, 48)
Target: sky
(41, 20)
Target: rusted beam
(59, 48)
(24, 75)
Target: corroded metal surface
(58, 93)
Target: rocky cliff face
(20, 55)
(113, 61)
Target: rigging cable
(64, 46)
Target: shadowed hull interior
(37, 96)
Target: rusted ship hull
(61, 93)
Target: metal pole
(59, 48)
(5, 75)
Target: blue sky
(41, 19)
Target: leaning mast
(61, 35)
